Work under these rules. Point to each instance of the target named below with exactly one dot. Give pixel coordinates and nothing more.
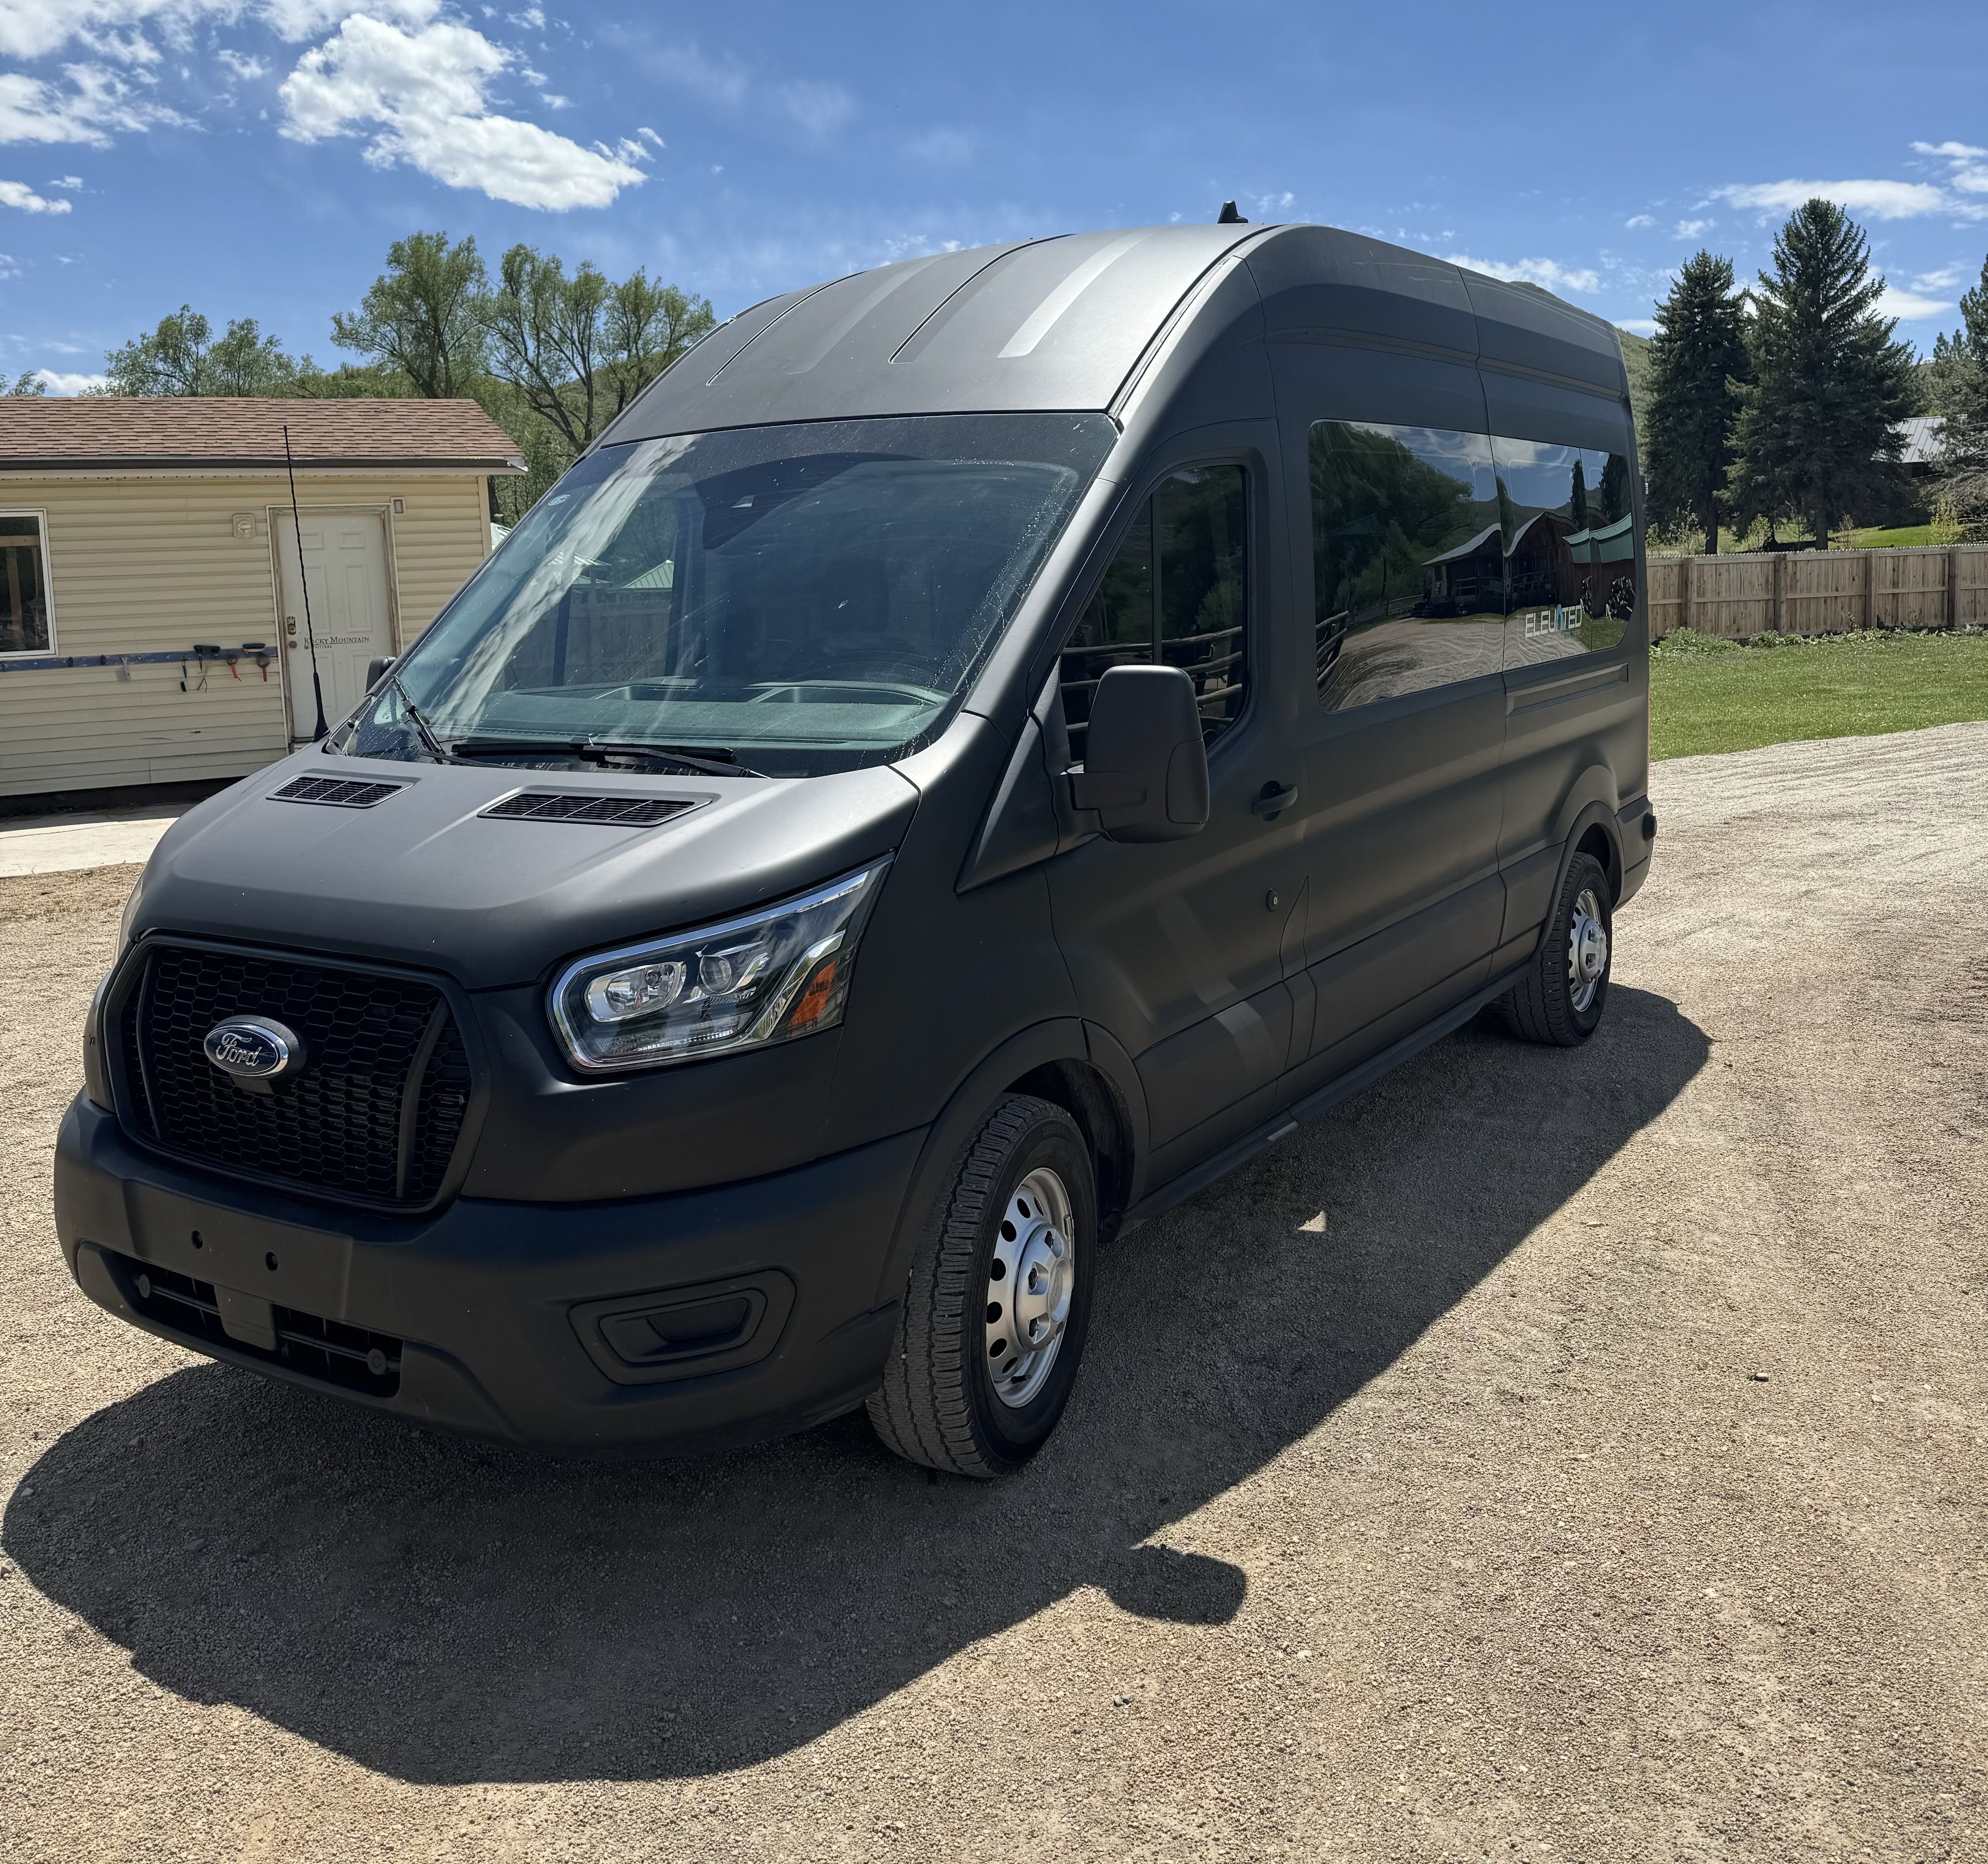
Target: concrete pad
(57, 844)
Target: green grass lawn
(1714, 695)
(1908, 536)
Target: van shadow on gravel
(447, 1612)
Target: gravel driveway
(1547, 1455)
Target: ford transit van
(979, 749)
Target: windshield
(795, 600)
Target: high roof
(244, 434)
(1046, 323)
(1063, 323)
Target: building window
(25, 627)
(1175, 594)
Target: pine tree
(1698, 352)
(1818, 423)
(1961, 365)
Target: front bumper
(637, 1327)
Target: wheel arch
(1052, 1060)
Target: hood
(424, 877)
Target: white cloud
(19, 194)
(819, 109)
(553, 101)
(1548, 273)
(298, 19)
(649, 135)
(1881, 200)
(96, 102)
(532, 19)
(248, 69)
(33, 29)
(1639, 220)
(67, 181)
(422, 95)
(1690, 229)
(61, 383)
(1910, 306)
(1945, 279)
(1966, 166)
(722, 80)
(1642, 326)
(942, 147)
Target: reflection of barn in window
(1466, 580)
(1539, 566)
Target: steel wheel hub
(1586, 950)
(1029, 1282)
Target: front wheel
(999, 1299)
(1559, 999)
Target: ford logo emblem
(253, 1048)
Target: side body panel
(1400, 795)
(1578, 732)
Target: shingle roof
(246, 434)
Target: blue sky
(255, 157)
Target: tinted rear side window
(1408, 555)
(1176, 593)
(1570, 549)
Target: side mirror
(377, 669)
(1145, 768)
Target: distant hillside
(1636, 360)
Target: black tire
(1546, 1005)
(938, 1405)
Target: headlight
(778, 973)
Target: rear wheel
(999, 1299)
(1560, 998)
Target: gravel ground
(1547, 1456)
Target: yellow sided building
(154, 625)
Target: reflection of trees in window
(1191, 532)
(1615, 489)
(1381, 514)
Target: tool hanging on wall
(310, 638)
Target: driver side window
(1175, 595)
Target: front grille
(618, 811)
(338, 792)
(355, 1358)
(375, 1112)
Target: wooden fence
(1819, 592)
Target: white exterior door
(351, 617)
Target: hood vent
(337, 792)
(613, 811)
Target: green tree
(1698, 352)
(579, 350)
(1818, 430)
(1960, 379)
(425, 317)
(28, 382)
(182, 357)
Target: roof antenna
(1228, 216)
(296, 517)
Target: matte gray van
(979, 749)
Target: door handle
(1273, 799)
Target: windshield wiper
(429, 740)
(712, 762)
